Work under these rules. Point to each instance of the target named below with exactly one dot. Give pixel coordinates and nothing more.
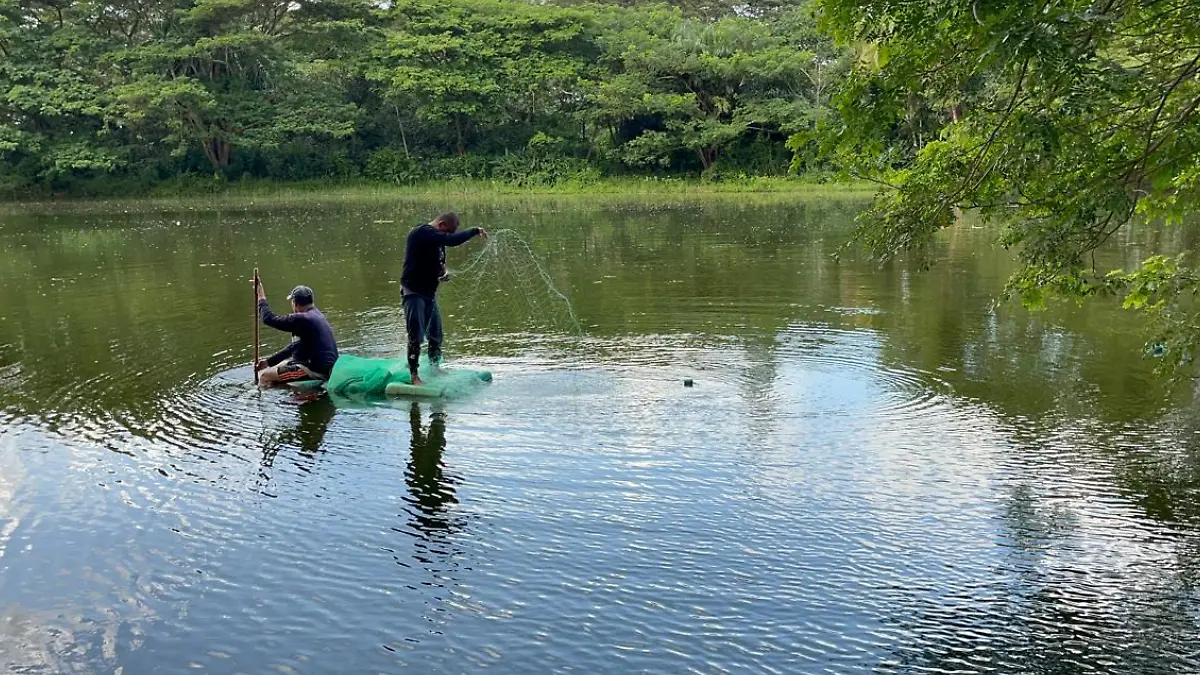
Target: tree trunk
(460, 135)
(207, 146)
(217, 152)
(224, 153)
(400, 123)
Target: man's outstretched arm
(456, 239)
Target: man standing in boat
(424, 269)
(314, 351)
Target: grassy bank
(626, 185)
(658, 190)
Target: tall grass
(626, 189)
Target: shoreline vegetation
(185, 97)
(604, 189)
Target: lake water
(879, 468)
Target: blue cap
(301, 295)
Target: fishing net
(503, 295)
(357, 377)
(505, 292)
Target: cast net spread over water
(505, 289)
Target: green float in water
(444, 384)
(356, 376)
(307, 385)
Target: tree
(1063, 119)
(52, 111)
(474, 66)
(701, 87)
(708, 10)
(118, 96)
(227, 73)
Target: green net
(358, 376)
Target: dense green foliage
(129, 94)
(1063, 119)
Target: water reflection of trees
(1051, 630)
(1083, 582)
(1053, 608)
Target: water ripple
(806, 506)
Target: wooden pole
(254, 364)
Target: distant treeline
(125, 96)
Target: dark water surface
(877, 470)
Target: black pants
(423, 322)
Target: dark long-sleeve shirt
(314, 347)
(425, 257)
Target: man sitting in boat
(314, 351)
